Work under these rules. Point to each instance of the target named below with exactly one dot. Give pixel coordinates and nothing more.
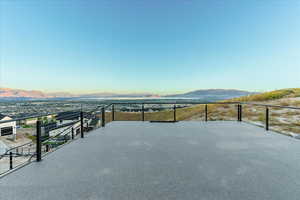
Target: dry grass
(268, 96)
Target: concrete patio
(160, 161)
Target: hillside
(16, 93)
(269, 96)
(213, 94)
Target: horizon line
(120, 92)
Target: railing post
(10, 161)
(143, 112)
(113, 112)
(72, 133)
(238, 108)
(47, 148)
(174, 113)
(81, 125)
(38, 141)
(267, 118)
(103, 117)
(241, 113)
(206, 110)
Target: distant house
(7, 128)
(70, 116)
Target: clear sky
(161, 46)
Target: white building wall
(9, 124)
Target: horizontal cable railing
(46, 136)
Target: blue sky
(149, 46)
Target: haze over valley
(204, 94)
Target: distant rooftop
(184, 161)
(2, 116)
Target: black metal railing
(238, 112)
(77, 125)
(80, 123)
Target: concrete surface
(160, 161)
(3, 148)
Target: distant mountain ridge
(8, 93)
(214, 94)
(209, 94)
(17, 93)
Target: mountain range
(211, 94)
(8, 93)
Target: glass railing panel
(108, 115)
(222, 112)
(190, 112)
(159, 112)
(254, 114)
(285, 120)
(128, 112)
